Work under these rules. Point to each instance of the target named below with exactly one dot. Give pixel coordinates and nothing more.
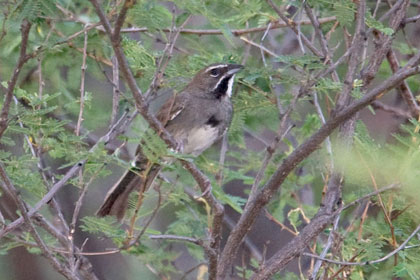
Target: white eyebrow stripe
(215, 67)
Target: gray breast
(199, 139)
(200, 124)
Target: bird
(196, 117)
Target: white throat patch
(230, 85)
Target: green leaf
(104, 226)
(344, 10)
(235, 202)
(371, 22)
(150, 14)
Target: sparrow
(196, 117)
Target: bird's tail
(116, 200)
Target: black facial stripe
(213, 121)
(222, 87)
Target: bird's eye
(215, 72)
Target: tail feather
(117, 197)
(116, 200)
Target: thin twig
(222, 158)
(40, 80)
(322, 40)
(202, 181)
(166, 56)
(393, 10)
(411, 19)
(122, 123)
(292, 25)
(362, 221)
(177, 238)
(326, 247)
(378, 2)
(403, 89)
(261, 47)
(235, 32)
(384, 258)
(330, 237)
(299, 31)
(86, 28)
(209, 251)
(41, 244)
(381, 190)
(277, 222)
(301, 152)
(381, 203)
(82, 86)
(327, 140)
(383, 43)
(270, 150)
(261, 50)
(23, 58)
(3, 26)
(77, 132)
(115, 90)
(79, 201)
(36, 153)
(391, 109)
(121, 18)
(147, 224)
(191, 270)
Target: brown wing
(171, 109)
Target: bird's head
(216, 79)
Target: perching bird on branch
(196, 117)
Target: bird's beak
(234, 68)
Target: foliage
(40, 144)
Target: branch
(403, 89)
(121, 18)
(384, 258)
(333, 193)
(390, 109)
(209, 251)
(335, 225)
(292, 25)
(327, 214)
(166, 56)
(142, 107)
(111, 134)
(115, 90)
(23, 58)
(300, 153)
(154, 213)
(321, 38)
(10, 188)
(83, 186)
(261, 47)
(82, 85)
(354, 59)
(270, 150)
(347, 129)
(411, 19)
(235, 32)
(331, 238)
(381, 190)
(85, 267)
(177, 238)
(383, 42)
